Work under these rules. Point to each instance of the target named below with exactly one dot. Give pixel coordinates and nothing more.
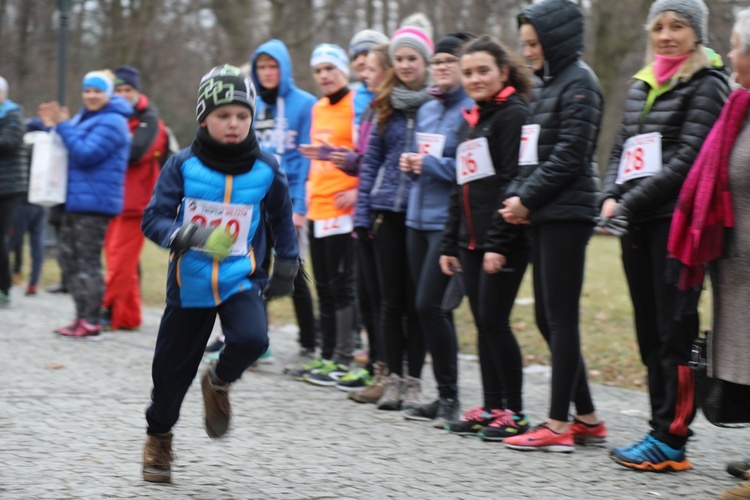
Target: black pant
(397, 296)
(182, 338)
(303, 308)
(491, 297)
(664, 339)
(559, 255)
(430, 283)
(369, 295)
(8, 206)
(332, 264)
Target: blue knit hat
(98, 80)
(327, 53)
(128, 75)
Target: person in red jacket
(124, 240)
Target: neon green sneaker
(355, 379)
(315, 364)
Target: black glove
(281, 282)
(617, 225)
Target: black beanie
(224, 85)
(452, 42)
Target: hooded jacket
(567, 104)
(683, 112)
(14, 155)
(98, 144)
(195, 279)
(148, 147)
(427, 209)
(283, 126)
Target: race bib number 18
(641, 157)
(235, 219)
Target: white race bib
(528, 154)
(342, 224)
(430, 144)
(235, 219)
(641, 157)
(473, 161)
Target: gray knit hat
(364, 41)
(695, 11)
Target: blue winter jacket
(282, 127)
(98, 144)
(362, 98)
(428, 200)
(382, 184)
(196, 279)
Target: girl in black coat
(491, 253)
(555, 191)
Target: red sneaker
(68, 330)
(542, 438)
(84, 330)
(588, 434)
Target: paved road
(72, 426)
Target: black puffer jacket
(14, 173)
(683, 115)
(473, 218)
(567, 104)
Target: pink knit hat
(414, 37)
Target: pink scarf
(666, 66)
(704, 208)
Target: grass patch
(607, 333)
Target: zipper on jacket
(215, 265)
(469, 220)
(420, 203)
(402, 176)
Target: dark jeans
(423, 249)
(559, 255)
(397, 296)
(8, 205)
(664, 339)
(332, 264)
(32, 219)
(491, 297)
(182, 338)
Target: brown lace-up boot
(157, 458)
(373, 392)
(216, 402)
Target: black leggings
(369, 295)
(8, 206)
(559, 255)
(332, 264)
(397, 296)
(491, 297)
(439, 332)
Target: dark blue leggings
(183, 335)
(491, 297)
(30, 219)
